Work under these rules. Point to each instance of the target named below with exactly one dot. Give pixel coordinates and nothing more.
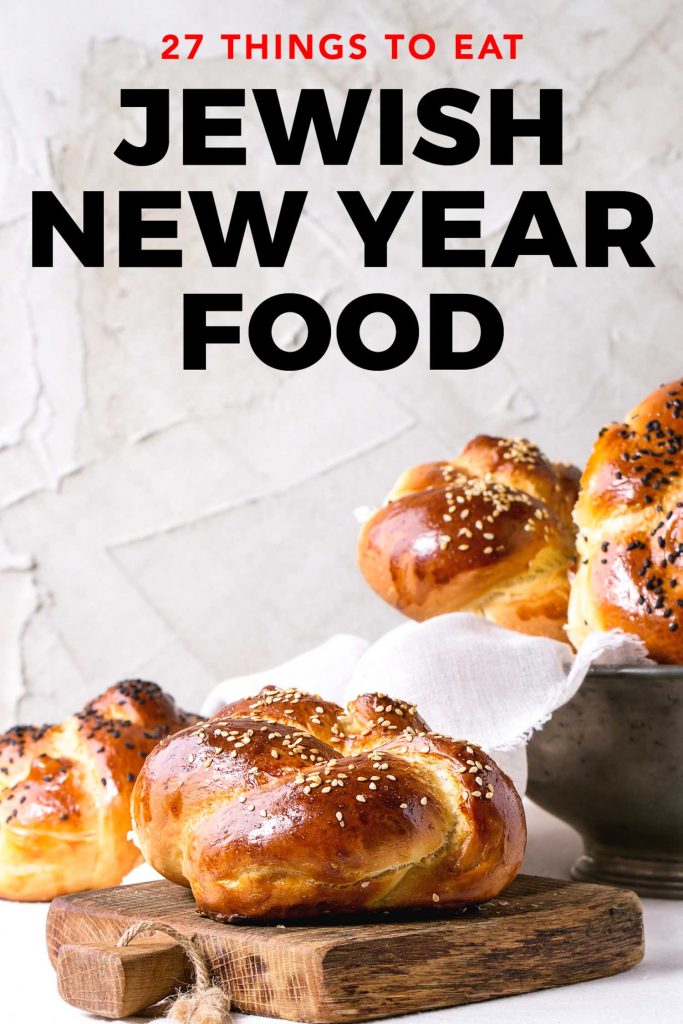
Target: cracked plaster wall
(185, 526)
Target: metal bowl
(610, 763)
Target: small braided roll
(630, 520)
(65, 792)
(285, 805)
(489, 532)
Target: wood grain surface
(540, 933)
(115, 982)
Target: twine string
(196, 958)
(205, 1003)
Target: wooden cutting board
(540, 933)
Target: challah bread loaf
(285, 805)
(490, 532)
(630, 520)
(65, 792)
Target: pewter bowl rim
(673, 672)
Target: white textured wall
(184, 526)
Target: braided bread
(65, 792)
(630, 520)
(490, 532)
(285, 805)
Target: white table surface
(652, 991)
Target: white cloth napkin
(470, 678)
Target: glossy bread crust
(65, 792)
(490, 532)
(288, 806)
(630, 520)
